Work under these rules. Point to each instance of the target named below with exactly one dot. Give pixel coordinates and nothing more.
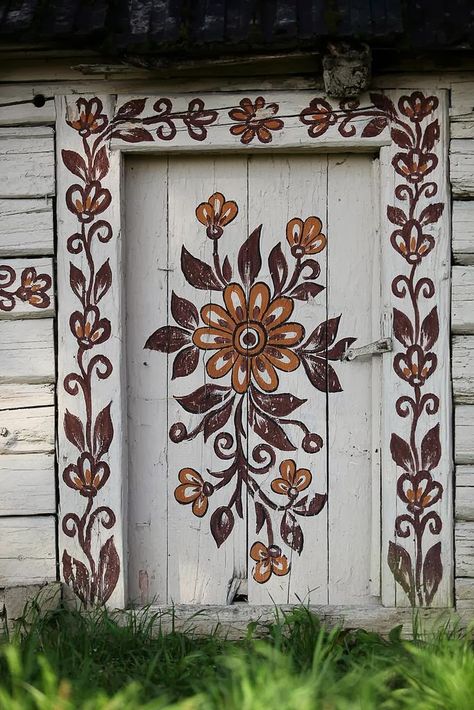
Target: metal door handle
(383, 345)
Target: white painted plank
(27, 431)
(19, 395)
(146, 259)
(27, 351)
(464, 545)
(464, 503)
(26, 162)
(27, 550)
(462, 167)
(464, 476)
(464, 433)
(354, 285)
(28, 484)
(279, 189)
(463, 369)
(26, 227)
(26, 113)
(463, 231)
(462, 305)
(27, 288)
(461, 112)
(464, 592)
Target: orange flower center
(250, 338)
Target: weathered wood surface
(462, 167)
(19, 395)
(26, 227)
(464, 592)
(464, 545)
(464, 433)
(464, 476)
(27, 351)
(463, 369)
(27, 484)
(27, 431)
(23, 272)
(26, 113)
(463, 232)
(27, 550)
(462, 304)
(27, 162)
(464, 505)
(462, 109)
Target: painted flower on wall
(249, 336)
(255, 120)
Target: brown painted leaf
(74, 430)
(276, 405)
(291, 533)
(108, 570)
(103, 281)
(185, 362)
(320, 373)
(401, 138)
(338, 350)
(75, 163)
(401, 453)
(204, 398)
(399, 561)
(278, 268)
(396, 215)
(184, 312)
(268, 430)
(227, 269)
(103, 432)
(100, 167)
(383, 103)
(222, 523)
(430, 136)
(432, 213)
(132, 135)
(260, 516)
(198, 273)
(432, 572)
(168, 339)
(431, 449)
(218, 419)
(429, 330)
(306, 291)
(317, 503)
(402, 328)
(249, 259)
(375, 127)
(76, 575)
(323, 336)
(131, 109)
(77, 281)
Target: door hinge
(383, 345)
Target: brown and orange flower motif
(193, 490)
(412, 242)
(88, 201)
(253, 337)
(89, 118)
(215, 214)
(255, 119)
(292, 480)
(269, 561)
(417, 106)
(414, 365)
(415, 164)
(305, 238)
(319, 115)
(419, 492)
(89, 328)
(86, 476)
(34, 288)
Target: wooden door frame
(409, 132)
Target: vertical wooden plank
(281, 188)
(146, 198)
(198, 571)
(352, 242)
(92, 412)
(417, 548)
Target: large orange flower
(252, 337)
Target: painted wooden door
(253, 446)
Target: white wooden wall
(27, 361)
(26, 230)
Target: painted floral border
(34, 288)
(415, 134)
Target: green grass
(67, 660)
